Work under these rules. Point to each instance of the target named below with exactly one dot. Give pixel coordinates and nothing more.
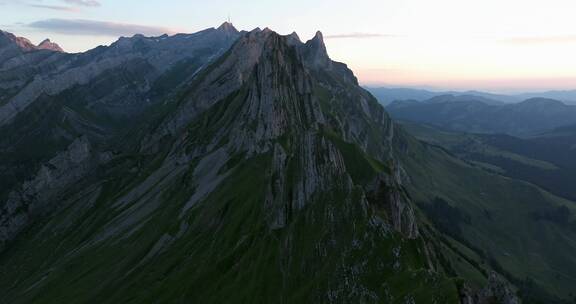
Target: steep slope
(20, 60)
(51, 98)
(54, 73)
(11, 45)
(268, 177)
(521, 230)
(526, 118)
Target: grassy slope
(471, 144)
(546, 161)
(501, 225)
(227, 253)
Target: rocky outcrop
(315, 52)
(387, 193)
(49, 45)
(10, 40)
(497, 290)
(39, 194)
(69, 95)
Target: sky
(504, 46)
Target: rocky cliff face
(266, 174)
(271, 83)
(10, 42)
(33, 198)
(47, 98)
(48, 72)
(497, 291)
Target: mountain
(471, 115)
(49, 99)
(244, 167)
(253, 184)
(11, 45)
(463, 98)
(9, 40)
(567, 96)
(388, 95)
(49, 45)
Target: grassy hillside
(507, 222)
(221, 250)
(545, 160)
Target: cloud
(89, 3)
(98, 28)
(56, 7)
(356, 36)
(540, 39)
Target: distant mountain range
(568, 97)
(481, 115)
(388, 95)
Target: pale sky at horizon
(493, 45)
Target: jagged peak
(7, 38)
(294, 37)
(227, 27)
(316, 50)
(49, 45)
(256, 30)
(317, 41)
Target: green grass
(227, 253)
(502, 225)
(470, 144)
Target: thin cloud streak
(98, 28)
(357, 36)
(540, 39)
(56, 8)
(88, 3)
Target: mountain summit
(49, 45)
(229, 28)
(9, 39)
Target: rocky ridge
(46, 44)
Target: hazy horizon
(510, 47)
